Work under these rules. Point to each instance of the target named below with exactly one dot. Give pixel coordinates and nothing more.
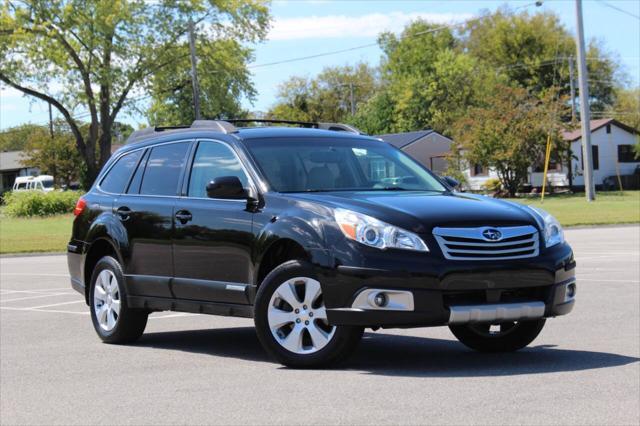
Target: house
(11, 167)
(612, 150)
(427, 146)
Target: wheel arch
(99, 247)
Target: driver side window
(213, 160)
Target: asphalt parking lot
(583, 369)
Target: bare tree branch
(67, 115)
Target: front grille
(515, 242)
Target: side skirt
(192, 306)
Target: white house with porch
(612, 146)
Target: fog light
(570, 292)
(381, 300)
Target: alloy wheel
(297, 316)
(106, 300)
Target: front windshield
(47, 183)
(317, 165)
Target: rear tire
(511, 337)
(290, 319)
(112, 318)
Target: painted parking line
(31, 274)
(34, 291)
(37, 297)
(57, 304)
(57, 311)
(8, 308)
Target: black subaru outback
(315, 232)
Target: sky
(303, 28)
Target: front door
(213, 237)
(146, 210)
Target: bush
(38, 203)
(492, 185)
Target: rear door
(213, 237)
(146, 211)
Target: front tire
(112, 318)
(504, 337)
(291, 320)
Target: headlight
(552, 230)
(372, 232)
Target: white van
(33, 183)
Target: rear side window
(213, 160)
(164, 165)
(118, 176)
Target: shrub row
(38, 203)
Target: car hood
(422, 211)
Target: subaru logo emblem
(492, 234)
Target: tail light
(80, 206)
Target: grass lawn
(608, 208)
(22, 235)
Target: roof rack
(338, 127)
(217, 125)
(227, 126)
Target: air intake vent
(488, 243)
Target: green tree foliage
(56, 156)
(627, 107)
(533, 50)
(15, 138)
(223, 78)
(510, 134)
(105, 51)
(327, 97)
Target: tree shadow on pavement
(394, 355)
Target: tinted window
(134, 186)
(213, 160)
(341, 164)
(120, 173)
(163, 169)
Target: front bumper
(446, 292)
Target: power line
(604, 3)
(365, 46)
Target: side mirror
(453, 183)
(227, 187)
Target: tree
(106, 50)
(223, 78)
(327, 97)
(510, 135)
(15, 138)
(427, 81)
(533, 50)
(627, 107)
(55, 155)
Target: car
(42, 183)
(316, 232)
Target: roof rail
(308, 124)
(338, 127)
(217, 125)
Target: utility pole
(50, 121)
(584, 107)
(572, 88)
(353, 103)
(194, 71)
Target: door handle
(183, 216)
(123, 213)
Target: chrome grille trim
(526, 243)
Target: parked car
(34, 183)
(315, 233)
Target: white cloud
(342, 26)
